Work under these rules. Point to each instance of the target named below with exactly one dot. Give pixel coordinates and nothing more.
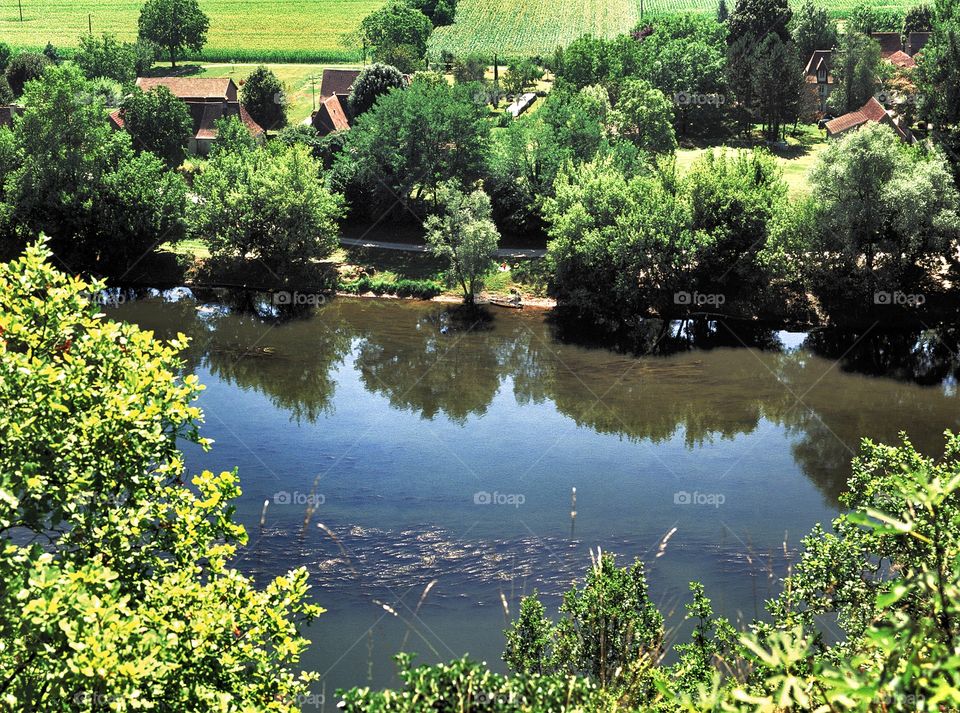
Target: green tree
(373, 81)
(939, 78)
(722, 11)
(812, 29)
(919, 18)
(520, 75)
(174, 25)
(6, 54)
(778, 85)
(397, 30)
(888, 214)
(470, 68)
(106, 56)
(103, 205)
(24, 67)
(411, 141)
(158, 122)
(440, 12)
(263, 96)
(283, 213)
(644, 116)
(464, 234)
(858, 71)
(120, 589)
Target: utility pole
(20, 3)
(313, 90)
(90, 24)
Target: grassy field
(278, 30)
(538, 27)
(796, 160)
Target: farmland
(252, 30)
(538, 27)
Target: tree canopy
(174, 25)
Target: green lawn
(297, 80)
(796, 161)
(251, 30)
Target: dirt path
(502, 253)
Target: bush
(106, 57)
(373, 81)
(25, 67)
(129, 596)
(420, 289)
(263, 96)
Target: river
(423, 472)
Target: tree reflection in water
(708, 379)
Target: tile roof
(890, 42)
(337, 81)
(816, 58)
(330, 116)
(116, 119)
(871, 111)
(901, 59)
(846, 122)
(193, 87)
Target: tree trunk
(173, 57)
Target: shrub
(263, 96)
(25, 67)
(373, 81)
(420, 289)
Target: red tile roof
(871, 111)
(204, 88)
(337, 81)
(901, 59)
(330, 116)
(116, 119)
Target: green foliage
(858, 70)
(263, 96)
(121, 590)
(440, 12)
(812, 29)
(408, 143)
(470, 68)
(421, 289)
(373, 81)
(887, 214)
(464, 685)
(395, 32)
(464, 234)
(939, 75)
(644, 116)
(5, 55)
(158, 122)
(521, 74)
(106, 57)
(103, 205)
(25, 67)
(867, 18)
(174, 25)
(281, 211)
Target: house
(871, 111)
(337, 82)
(330, 117)
(334, 112)
(916, 42)
(890, 43)
(819, 80)
(208, 99)
(7, 113)
(902, 60)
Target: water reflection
(705, 379)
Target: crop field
(537, 27)
(251, 30)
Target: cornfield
(537, 27)
(241, 30)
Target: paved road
(502, 253)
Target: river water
(423, 472)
